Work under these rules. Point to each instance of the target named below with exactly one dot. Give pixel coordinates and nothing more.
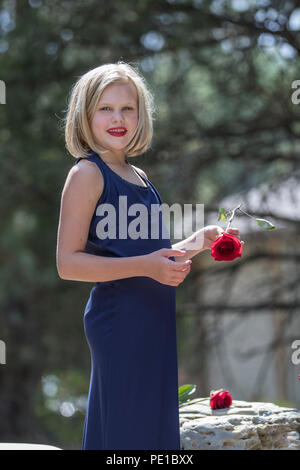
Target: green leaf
(222, 214)
(265, 224)
(184, 391)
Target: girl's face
(117, 107)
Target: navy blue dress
(130, 327)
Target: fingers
(179, 278)
(234, 231)
(172, 252)
(178, 266)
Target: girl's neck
(115, 160)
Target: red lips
(117, 131)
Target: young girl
(129, 319)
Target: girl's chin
(111, 145)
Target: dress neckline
(123, 179)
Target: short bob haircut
(84, 97)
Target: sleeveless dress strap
(94, 158)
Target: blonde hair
(85, 95)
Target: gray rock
(242, 426)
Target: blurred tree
(221, 73)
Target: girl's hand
(212, 232)
(164, 270)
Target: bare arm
(201, 240)
(83, 187)
(195, 239)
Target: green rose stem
(261, 222)
(247, 214)
(195, 400)
(231, 217)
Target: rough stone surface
(242, 426)
(15, 446)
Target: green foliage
(61, 402)
(184, 393)
(265, 224)
(224, 123)
(222, 214)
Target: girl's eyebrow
(128, 102)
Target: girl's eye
(107, 107)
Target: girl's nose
(117, 117)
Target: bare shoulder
(141, 171)
(87, 168)
(86, 179)
(83, 188)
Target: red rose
(220, 399)
(226, 247)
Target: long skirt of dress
(130, 327)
